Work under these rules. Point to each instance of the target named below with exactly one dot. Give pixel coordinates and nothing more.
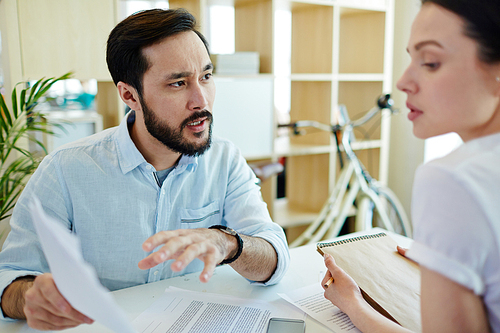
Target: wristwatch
(231, 232)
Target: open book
(389, 282)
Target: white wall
(406, 151)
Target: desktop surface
(306, 268)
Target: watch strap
(232, 232)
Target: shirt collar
(130, 157)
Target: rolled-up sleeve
(246, 212)
(22, 254)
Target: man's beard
(172, 138)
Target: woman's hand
(402, 250)
(346, 295)
(343, 292)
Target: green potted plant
(17, 127)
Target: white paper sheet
(76, 280)
(183, 311)
(312, 301)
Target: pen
(328, 283)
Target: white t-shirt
(456, 218)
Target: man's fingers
(45, 320)
(173, 246)
(203, 250)
(49, 292)
(182, 245)
(210, 264)
(152, 260)
(169, 251)
(46, 326)
(44, 304)
(161, 238)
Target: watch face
(229, 231)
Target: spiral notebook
(389, 282)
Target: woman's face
(449, 89)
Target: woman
(452, 85)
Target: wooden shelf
(316, 53)
(360, 77)
(289, 216)
(284, 148)
(312, 77)
(343, 77)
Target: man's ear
(129, 95)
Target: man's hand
(44, 306)
(184, 245)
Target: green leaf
(32, 92)
(44, 87)
(4, 110)
(15, 126)
(23, 102)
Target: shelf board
(287, 216)
(344, 77)
(366, 144)
(283, 147)
(348, 6)
(238, 2)
(311, 77)
(355, 7)
(243, 76)
(298, 3)
(366, 77)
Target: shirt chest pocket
(200, 217)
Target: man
(142, 196)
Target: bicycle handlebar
(383, 102)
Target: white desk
(306, 268)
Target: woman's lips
(414, 112)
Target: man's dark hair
(482, 23)
(126, 61)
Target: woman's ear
(129, 95)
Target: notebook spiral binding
(351, 240)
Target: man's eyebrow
(208, 67)
(418, 46)
(180, 75)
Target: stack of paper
(236, 63)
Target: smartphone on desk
(286, 325)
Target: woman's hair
(482, 23)
(126, 41)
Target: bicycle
(375, 204)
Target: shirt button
(148, 167)
(155, 273)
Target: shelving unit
(320, 52)
(341, 54)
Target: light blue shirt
(103, 190)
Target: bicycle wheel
(395, 211)
(364, 214)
